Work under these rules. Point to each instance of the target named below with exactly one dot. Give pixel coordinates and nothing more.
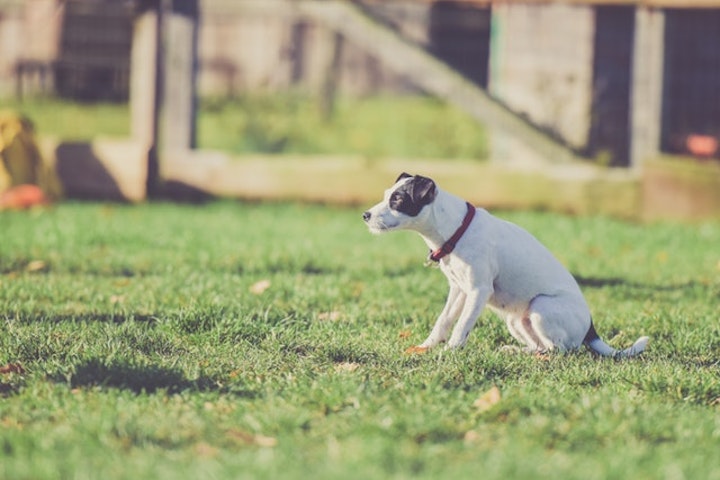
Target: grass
(376, 127)
(237, 340)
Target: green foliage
(415, 127)
(73, 121)
(143, 346)
(376, 127)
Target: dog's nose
(366, 216)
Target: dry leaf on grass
(12, 368)
(404, 334)
(488, 399)
(258, 288)
(246, 438)
(267, 442)
(416, 350)
(35, 266)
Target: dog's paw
(416, 350)
(542, 355)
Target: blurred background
(586, 106)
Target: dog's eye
(396, 200)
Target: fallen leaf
(346, 367)
(404, 333)
(11, 423)
(266, 442)
(488, 399)
(416, 350)
(241, 436)
(12, 368)
(258, 288)
(35, 266)
(471, 436)
(246, 438)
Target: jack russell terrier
(489, 261)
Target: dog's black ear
(423, 191)
(402, 175)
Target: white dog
(491, 262)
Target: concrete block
(104, 169)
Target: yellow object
(20, 156)
(20, 159)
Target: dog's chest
(457, 273)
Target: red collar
(449, 246)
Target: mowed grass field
(234, 340)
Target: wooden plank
(680, 188)
(179, 62)
(577, 188)
(645, 3)
(144, 89)
(273, 7)
(144, 79)
(647, 85)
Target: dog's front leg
(474, 303)
(453, 305)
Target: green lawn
(235, 340)
(376, 127)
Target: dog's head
(403, 206)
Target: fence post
(179, 66)
(144, 83)
(331, 80)
(647, 84)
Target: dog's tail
(596, 344)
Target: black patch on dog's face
(411, 197)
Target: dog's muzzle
(367, 216)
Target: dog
(489, 261)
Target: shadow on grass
(8, 389)
(144, 379)
(644, 288)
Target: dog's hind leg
(558, 321)
(521, 327)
